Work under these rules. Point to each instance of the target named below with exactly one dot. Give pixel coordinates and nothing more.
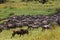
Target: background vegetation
(30, 8)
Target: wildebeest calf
(46, 27)
(19, 32)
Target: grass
(31, 8)
(35, 34)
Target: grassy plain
(30, 8)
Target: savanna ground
(30, 8)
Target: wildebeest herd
(42, 1)
(31, 21)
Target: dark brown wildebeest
(10, 24)
(3, 27)
(20, 32)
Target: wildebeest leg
(13, 35)
(20, 35)
(29, 28)
(52, 26)
(35, 27)
(43, 29)
(43, 1)
(8, 28)
(27, 32)
(0, 30)
(48, 28)
(5, 28)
